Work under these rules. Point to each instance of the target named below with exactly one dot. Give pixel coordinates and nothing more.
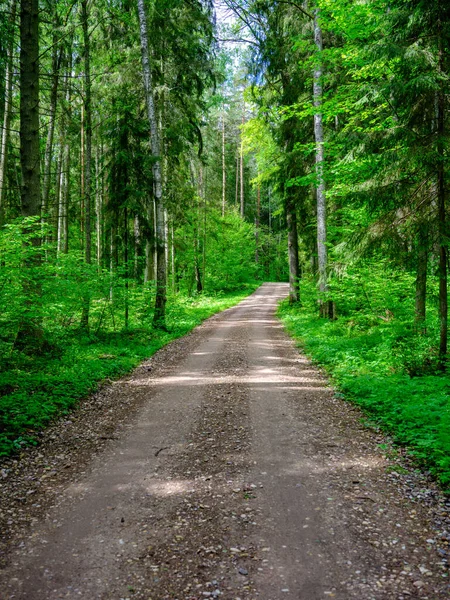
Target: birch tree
(320, 161)
(155, 147)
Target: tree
(30, 332)
(160, 300)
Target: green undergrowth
(378, 360)
(35, 390)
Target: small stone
(243, 571)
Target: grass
(388, 370)
(36, 390)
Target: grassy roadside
(369, 366)
(32, 395)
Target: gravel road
(224, 467)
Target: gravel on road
(223, 467)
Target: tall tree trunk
(56, 63)
(30, 331)
(205, 214)
(242, 166)
(99, 203)
(257, 220)
(29, 109)
(8, 110)
(149, 271)
(236, 199)
(65, 188)
(137, 239)
(224, 173)
(155, 246)
(88, 153)
(320, 191)
(441, 201)
(82, 176)
(294, 269)
(172, 240)
(87, 131)
(421, 278)
(125, 259)
(166, 245)
(66, 199)
(63, 243)
(197, 248)
(160, 299)
(58, 186)
(113, 253)
(62, 210)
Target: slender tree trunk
(242, 167)
(294, 269)
(321, 197)
(166, 244)
(65, 187)
(257, 220)
(224, 173)
(62, 244)
(236, 199)
(421, 279)
(174, 278)
(60, 200)
(88, 153)
(82, 175)
(148, 262)
(160, 300)
(87, 131)
(8, 111)
(66, 199)
(99, 203)
(442, 225)
(125, 258)
(112, 252)
(197, 250)
(149, 273)
(56, 63)
(137, 239)
(155, 246)
(59, 168)
(205, 214)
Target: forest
(160, 159)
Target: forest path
(238, 475)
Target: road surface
(236, 474)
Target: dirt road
(236, 474)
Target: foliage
(36, 389)
(379, 360)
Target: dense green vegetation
(378, 359)
(34, 389)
